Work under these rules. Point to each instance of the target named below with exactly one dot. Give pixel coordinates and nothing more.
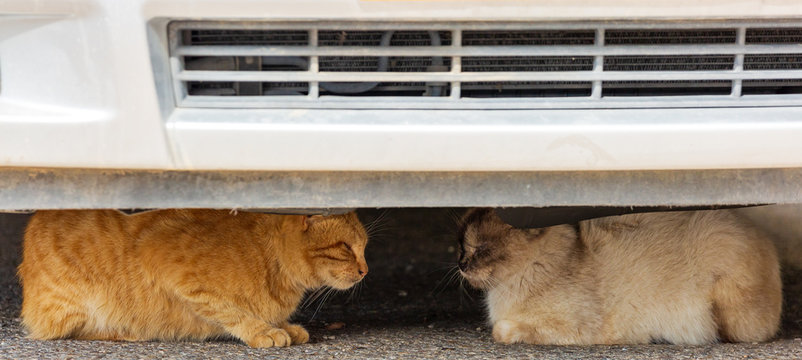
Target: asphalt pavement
(409, 306)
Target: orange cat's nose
(363, 270)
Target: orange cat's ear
(310, 220)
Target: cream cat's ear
(310, 220)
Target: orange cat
(689, 277)
(182, 274)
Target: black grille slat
(247, 37)
(669, 63)
(532, 37)
(772, 87)
(517, 89)
(342, 64)
(774, 36)
(374, 38)
(773, 62)
(229, 88)
(684, 36)
(666, 88)
(396, 89)
(394, 64)
(524, 63)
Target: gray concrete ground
(408, 307)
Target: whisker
(444, 281)
(464, 291)
(312, 297)
(323, 301)
(380, 231)
(353, 293)
(456, 215)
(354, 296)
(448, 267)
(376, 223)
(440, 262)
(453, 277)
(359, 290)
(497, 285)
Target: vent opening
(668, 63)
(523, 89)
(774, 36)
(773, 62)
(528, 37)
(250, 88)
(227, 37)
(383, 38)
(666, 88)
(527, 63)
(407, 89)
(669, 36)
(772, 87)
(389, 64)
(246, 63)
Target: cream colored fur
(681, 277)
(784, 224)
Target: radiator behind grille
(485, 65)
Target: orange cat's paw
(506, 332)
(298, 334)
(270, 338)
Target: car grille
(485, 65)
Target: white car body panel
(78, 91)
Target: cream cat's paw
(507, 332)
(270, 338)
(298, 334)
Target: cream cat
(182, 274)
(690, 277)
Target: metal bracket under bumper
(33, 188)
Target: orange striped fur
(182, 274)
